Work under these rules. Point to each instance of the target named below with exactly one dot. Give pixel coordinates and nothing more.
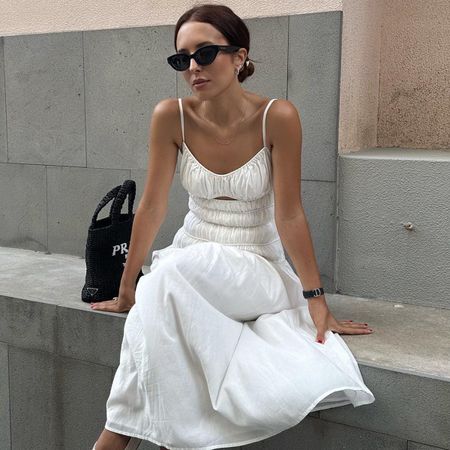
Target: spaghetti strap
(264, 121)
(180, 103)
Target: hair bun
(247, 70)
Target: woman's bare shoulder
(167, 114)
(167, 107)
(283, 107)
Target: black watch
(314, 293)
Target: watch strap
(314, 293)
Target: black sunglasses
(203, 56)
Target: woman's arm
(285, 134)
(152, 208)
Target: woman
(222, 345)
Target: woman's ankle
(109, 440)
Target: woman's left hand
(324, 320)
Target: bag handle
(105, 200)
(128, 189)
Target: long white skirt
(219, 351)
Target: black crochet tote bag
(107, 245)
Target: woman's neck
(226, 109)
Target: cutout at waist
(224, 198)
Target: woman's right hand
(120, 304)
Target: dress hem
(116, 429)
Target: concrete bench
(58, 358)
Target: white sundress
(219, 349)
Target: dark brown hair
(227, 22)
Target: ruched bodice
(249, 182)
(246, 222)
